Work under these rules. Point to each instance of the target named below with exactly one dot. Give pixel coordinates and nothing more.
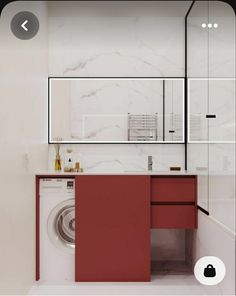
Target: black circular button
(25, 25)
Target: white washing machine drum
(61, 226)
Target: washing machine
(57, 230)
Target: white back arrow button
(24, 27)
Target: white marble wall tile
(197, 47)
(116, 46)
(122, 157)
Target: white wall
(23, 140)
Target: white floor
(160, 285)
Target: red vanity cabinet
(112, 228)
(114, 215)
(174, 202)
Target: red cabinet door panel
(112, 228)
(173, 189)
(173, 216)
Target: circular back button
(25, 25)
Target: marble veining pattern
(99, 108)
(116, 46)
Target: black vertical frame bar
(186, 87)
(163, 116)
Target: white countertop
(148, 173)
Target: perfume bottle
(57, 145)
(58, 163)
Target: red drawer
(173, 189)
(173, 216)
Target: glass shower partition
(211, 107)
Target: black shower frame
(186, 98)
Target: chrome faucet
(150, 163)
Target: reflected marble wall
(99, 108)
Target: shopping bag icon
(209, 271)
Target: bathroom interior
(126, 89)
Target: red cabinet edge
(37, 258)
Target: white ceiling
(214, 8)
(118, 8)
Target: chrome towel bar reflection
(142, 127)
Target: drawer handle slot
(172, 203)
(210, 116)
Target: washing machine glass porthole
(61, 226)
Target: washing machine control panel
(59, 186)
(70, 184)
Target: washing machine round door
(61, 226)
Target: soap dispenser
(68, 161)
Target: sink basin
(142, 172)
(155, 172)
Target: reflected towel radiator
(142, 127)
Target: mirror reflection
(137, 110)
